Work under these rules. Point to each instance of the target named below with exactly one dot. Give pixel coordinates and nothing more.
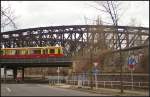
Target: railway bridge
(74, 38)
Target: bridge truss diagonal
(75, 38)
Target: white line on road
(45, 86)
(9, 90)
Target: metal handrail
(112, 83)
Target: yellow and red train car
(31, 52)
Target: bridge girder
(76, 37)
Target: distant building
(8, 73)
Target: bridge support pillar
(5, 72)
(14, 73)
(22, 74)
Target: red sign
(131, 66)
(132, 62)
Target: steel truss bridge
(76, 37)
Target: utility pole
(91, 65)
(91, 58)
(121, 74)
(120, 62)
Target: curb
(105, 92)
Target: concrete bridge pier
(5, 72)
(14, 73)
(22, 74)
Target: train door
(45, 51)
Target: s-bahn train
(31, 52)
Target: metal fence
(110, 84)
(110, 81)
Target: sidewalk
(107, 91)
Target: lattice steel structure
(76, 37)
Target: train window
(1, 52)
(26, 51)
(61, 50)
(8, 52)
(37, 51)
(23, 52)
(17, 52)
(45, 51)
(30, 51)
(52, 51)
(13, 52)
(58, 50)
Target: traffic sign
(132, 62)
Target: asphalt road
(40, 90)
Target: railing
(111, 84)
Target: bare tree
(7, 17)
(134, 22)
(112, 9)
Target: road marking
(9, 90)
(45, 86)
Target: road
(40, 90)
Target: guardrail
(111, 84)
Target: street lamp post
(131, 64)
(132, 78)
(58, 70)
(96, 84)
(91, 73)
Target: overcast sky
(49, 13)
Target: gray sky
(53, 13)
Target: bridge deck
(40, 62)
